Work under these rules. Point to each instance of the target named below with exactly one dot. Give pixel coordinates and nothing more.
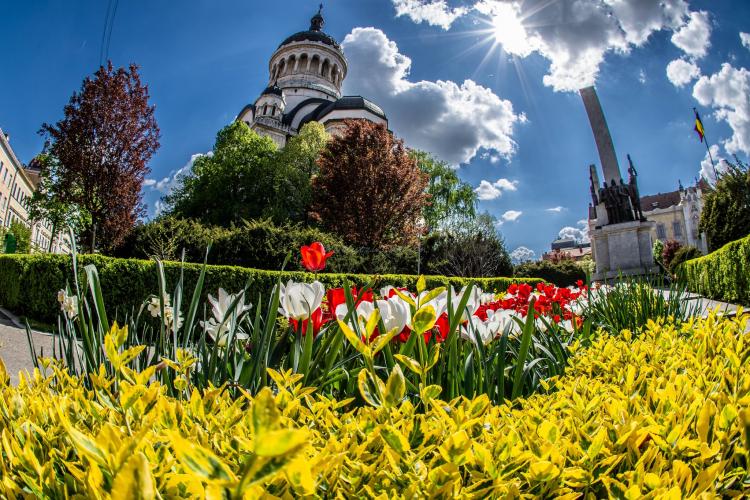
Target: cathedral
(304, 84)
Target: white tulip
(487, 330)
(395, 313)
(299, 300)
(217, 327)
(439, 303)
(364, 311)
(472, 304)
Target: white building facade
(304, 85)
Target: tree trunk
(93, 237)
(52, 238)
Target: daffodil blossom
(217, 327)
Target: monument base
(623, 249)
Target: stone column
(601, 135)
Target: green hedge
(563, 273)
(722, 275)
(28, 283)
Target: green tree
(726, 209)
(22, 235)
(296, 164)
(233, 183)
(49, 204)
(451, 199)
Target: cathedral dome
(314, 34)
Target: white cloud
(575, 35)
(167, 184)
(728, 92)
(556, 210)
(745, 39)
(694, 38)
(681, 72)
(433, 12)
(449, 120)
(580, 233)
(512, 215)
(707, 168)
(492, 190)
(522, 254)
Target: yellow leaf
(370, 387)
(280, 443)
(424, 319)
(134, 480)
(354, 339)
(410, 363)
(543, 470)
(395, 439)
(265, 413)
(199, 460)
(703, 425)
(395, 387)
(421, 284)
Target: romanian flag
(699, 126)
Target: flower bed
(666, 413)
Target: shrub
(667, 254)
(563, 273)
(726, 208)
(28, 283)
(664, 416)
(684, 254)
(721, 275)
(22, 235)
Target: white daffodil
(395, 313)
(169, 317)
(154, 306)
(69, 305)
(299, 300)
(61, 295)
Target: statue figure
(607, 197)
(635, 197)
(594, 184)
(628, 211)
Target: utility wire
(109, 19)
(111, 27)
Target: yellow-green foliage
(722, 275)
(664, 415)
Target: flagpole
(710, 156)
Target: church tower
(305, 74)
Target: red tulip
(314, 256)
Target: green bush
(28, 282)
(684, 254)
(721, 275)
(563, 273)
(22, 235)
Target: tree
(102, 146)
(451, 199)
(233, 183)
(726, 209)
(49, 204)
(296, 165)
(470, 249)
(369, 190)
(22, 234)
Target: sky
(489, 86)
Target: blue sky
(487, 85)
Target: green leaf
(410, 363)
(395, 439)
(265, 413)
(134, 480)
(430, 392)
(424, 319)
(370, 387)
(421, 284)
(199, 460)
(280, 443)
(395, 387)
(354, 339)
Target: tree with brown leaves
(102, 147)
(369, 190)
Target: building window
(661, 231)
(677, 228)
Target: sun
(509, 31)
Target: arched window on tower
(282, 66)
(265, 109)
(315, 65)
(325, 70)
(303, 63)
(291, 64)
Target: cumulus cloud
(556, 210)
(449, 120)
(681, 72)
(580, 233)
(168, 183)
(575, 35)
(707, 168)
(694, 38)
(745, 39)
(728, 92)
(492, 190)
(432, 12)
(511, 215)
(522, 254)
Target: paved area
(14, 347)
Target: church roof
(352, 102)
(273, 90)
(660, 200)
(314, 34)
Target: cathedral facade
(305, 76)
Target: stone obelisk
(601, 134)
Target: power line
(111, 26)
(109, 20)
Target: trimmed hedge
(563, 273)
(28, 282)
(722, 275)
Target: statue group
(622, 201)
